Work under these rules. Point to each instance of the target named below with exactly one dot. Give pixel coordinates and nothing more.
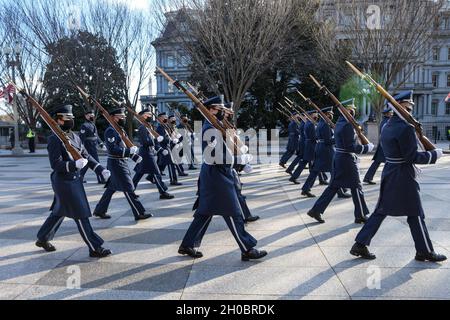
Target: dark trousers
(286, 156)
(417, 226)
(322, 203)
(372, 170)
(313, 175)
(52, 224)
(172, 173)
(244, 206)
(293, 164)
(136, 206)
(198, 227)
(31, 145)
(180, 168)
(298, 171)
(156, 178)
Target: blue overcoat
(379, 154)
(324, 154)
(294, 134)
(147, 152)
(310, 142)
(89, 137)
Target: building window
(169, 87)
(434, 107)
(435, 54)
(171, 61)
(435, 80)
(447, 108)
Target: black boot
(344, 195)
(100, 253)
(362, 251)
(47, 246)
(294, 181)
(432, 257)
(253, 254)
(324, 183)
(176, 183)
(102, 216)
(252, 219)
(144, 216)
(283, 165)
(370, 182)
(362, 220)
(316, 215)
(190, 252)
(308, 194)
(166, 196)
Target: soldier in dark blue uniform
(379, 155)
(399, 192)
(293, 140)
(345, 172)
(308, 140)
(120, 180)
(324, 154)
(91, 140)
(188, 136)
(70, 198)
(165, 159)
(217, 193)
(148, 165)
(299, 152)
(178, 146)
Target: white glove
(133, 150)
(160, 139)
(179, 136)
(175, 141)
(248, 168)
(139, 160)
(193, 134)
(370, 146)
(106, 174)
(439, 153)
(178, 146)
(104, 148)
(165, 152)
(244, 149)
(81, 163)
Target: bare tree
(389, 38)
(231, 42)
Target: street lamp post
(13, 63)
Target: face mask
(185, 120)
(165, 121)
(91, 119)
(220, 115)
(68, 125)
(122, 123)
(149, 120)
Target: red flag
(8, 93)
(447, 99)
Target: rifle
(166, 127)
(424, 141)
(289, 113)
(283, 113)
(109, 118)
(140, 119)
(197, 93)
(306, 114)
(345, 113)
(321, 113)
(177, 114)
(76, 155)
(202, 109)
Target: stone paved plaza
(305, 261)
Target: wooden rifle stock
(345, 113)
(321, 113)
(290, 114)
(76, 155)
(426, 143)
(109, 118)
(306, 114)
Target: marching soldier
(299, 152)
(345, 173)
(70, 197)
(188, 136)
(399, 193)
(293, 141)
(217, 194)
(120, 180)
(324, 154)
(148, 165)
(165, 159)
(309, 143)
(379, 155)
(178, 146)
(89, 137)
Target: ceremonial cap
(89, 111)
(161, 114)
(405, 96)
(65, 111)
(118, 112)
(349, 104)
(145, 110)
(215, 101)
(328, 109)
